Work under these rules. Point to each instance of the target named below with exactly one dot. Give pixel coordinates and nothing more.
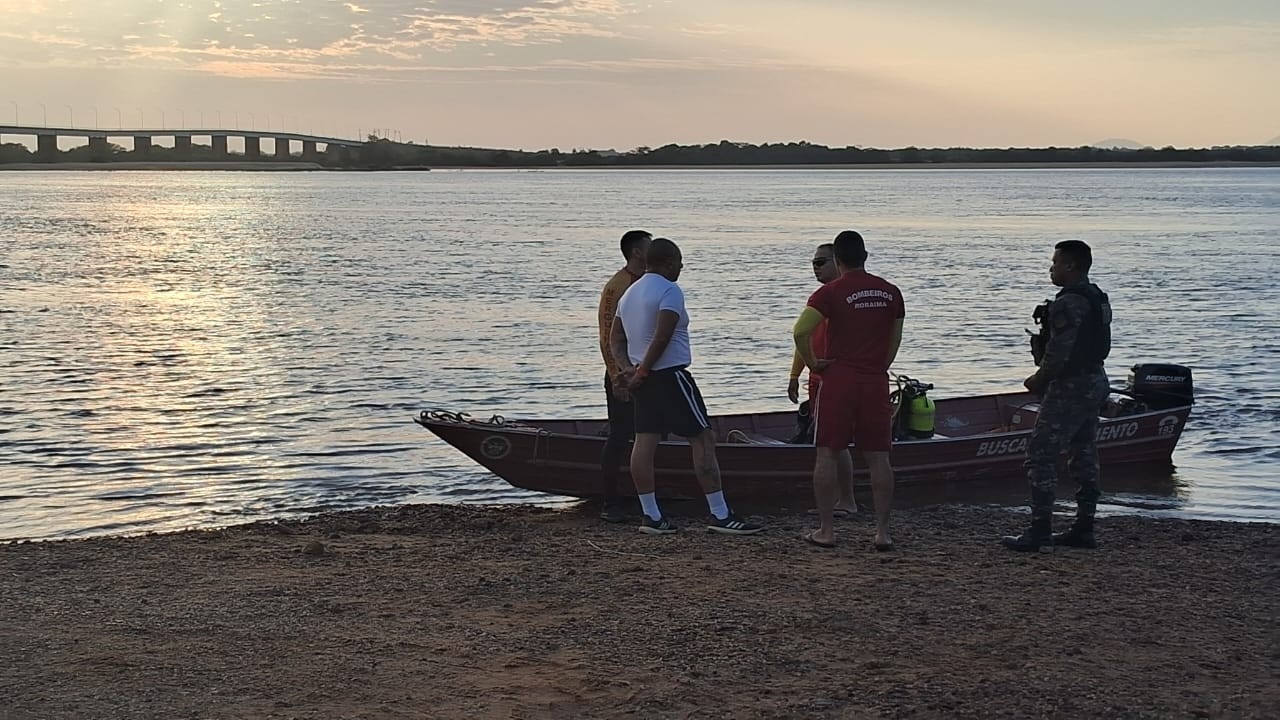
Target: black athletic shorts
(668, 401)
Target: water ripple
(197, 349)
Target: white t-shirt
(638, 309)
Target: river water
(189, 349)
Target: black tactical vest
(1093, 341)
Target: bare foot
(817, 538)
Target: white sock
(716, 502)
(649, 503)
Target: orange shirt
(609, 297)
(817, 341)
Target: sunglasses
(819, 262)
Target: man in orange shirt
(635, 243)
(825, 271)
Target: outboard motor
(1160, 387)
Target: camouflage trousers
(1068, 420)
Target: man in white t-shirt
(650, 338)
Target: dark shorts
(854, 409)
(668, 401)
(622, 413)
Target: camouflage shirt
(1069, 316)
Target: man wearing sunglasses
(825, 271)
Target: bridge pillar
(142, 145)
(309, 152)
(282, 149)
(253, 148)
(182, 146)
(218, 144)
(99, 149)
(46, 148)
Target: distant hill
(1118, 144)
(1274, 141)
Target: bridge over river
(311, 146)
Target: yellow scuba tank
(920, 414)
(915, 410)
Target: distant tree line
(381, 153)
(803, 153)
(384, 153)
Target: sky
(618, 74)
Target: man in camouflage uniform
(1072, 385)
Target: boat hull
(987, 440)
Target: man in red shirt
(863, 314)
(825, 271)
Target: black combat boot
(1037, 538)
(1079, 536)
(1081, 533)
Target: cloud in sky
(620, 73)
(155, 33)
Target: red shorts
(853, 408)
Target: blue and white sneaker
(733, 525)
(661, 526)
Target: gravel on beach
(432, 611)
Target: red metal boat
(976, 438)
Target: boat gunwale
(530, 427)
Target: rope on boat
(461, 418)
(495, 422)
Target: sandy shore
(458, 612)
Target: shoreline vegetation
(465, 611)
(383, 154)
(248, 166)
